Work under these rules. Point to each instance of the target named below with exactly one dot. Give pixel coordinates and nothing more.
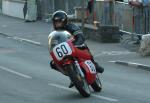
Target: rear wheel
(79, 82)
(97, 86)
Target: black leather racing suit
(76, 32)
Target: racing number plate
(62, 50)
(91, 66)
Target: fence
(49, 6)
(123, 16)
(105, 12)
(131, 19)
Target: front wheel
(79, 82)
(83, 88)
(97, 86)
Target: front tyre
(79, 82)
(97, 86)
(84, 88)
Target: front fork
(79, 69)
(71, 61)
(73, 69)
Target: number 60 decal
(62, 50)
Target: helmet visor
(58, 24)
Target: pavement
(37, 33)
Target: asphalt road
(25, 77)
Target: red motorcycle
(74, 62)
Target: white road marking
(113, 53)
(127, 63)
(14, 72)
(112, 61)
(94, 95)
(27, 40)
(132, 64)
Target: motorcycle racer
(60, 22)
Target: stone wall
(106, 34)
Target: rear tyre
(97, 86)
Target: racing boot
(99, 69)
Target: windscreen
(57, 37)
